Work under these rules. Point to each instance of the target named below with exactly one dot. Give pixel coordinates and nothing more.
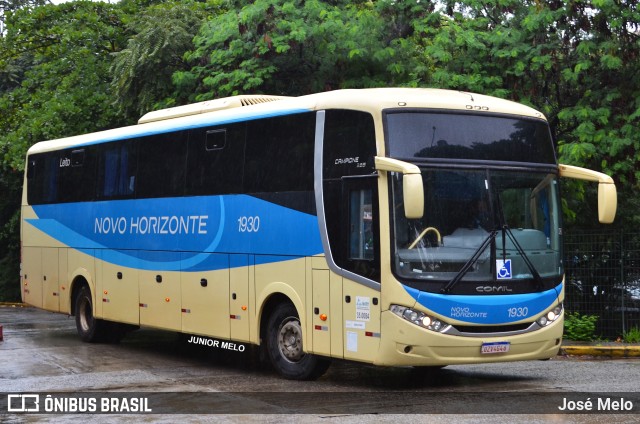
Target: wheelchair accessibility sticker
(503, 269)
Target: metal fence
(603, 278)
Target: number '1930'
(518, 312)
(249, 224)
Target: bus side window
(49, 180)
(34, 182)
(214, 160)
(361, 242)
(117, 169)
(31, 169)
(162, 165)
(77, 175)
(279, 154)
(361, 246)
(42, 179)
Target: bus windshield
(485, 226)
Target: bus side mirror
(607, 202)
(413, 196)
(412, 188)
(607, 194)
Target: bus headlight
(419, 318)
(550, 316)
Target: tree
(600, 95)
(142, 72)
(65, 90)
(576, 61)
(10, 192)
(64, 67)
(54, 82)
(9, 6)
(297, 47)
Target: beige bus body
(340, 316)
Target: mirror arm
(577, 173)
(395, 165)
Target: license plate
(496, 347)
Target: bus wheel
(284, 345)
(89, 328)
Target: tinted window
(279, 154)
(117, 170)
(349, 144)
(161, 165)
(215, 163)
(350, 204)
(77, 175)
(42, 174)
(62, 176)
(265, 157)
(421, 135)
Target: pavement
(602, 349)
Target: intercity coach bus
(393, 226)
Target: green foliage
(84, 66)
(64, 89)
(632, 335)
(576, 61)
(54, 82)
(580, 327)
(298, 47)
(160, 37)
(10, 278)
(10, 195)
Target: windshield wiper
(520, 250)
(467, 266)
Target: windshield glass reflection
(479, 225)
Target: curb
(606, 351)
(14, 304)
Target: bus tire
(284, 346)
(90, 329)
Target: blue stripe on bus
(185, 123)
(487, 309)
(181, 233)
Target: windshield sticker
(503, 269)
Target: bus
(391, 226)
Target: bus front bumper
(406, 344)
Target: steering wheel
(422, 234)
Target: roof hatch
(208, 106)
